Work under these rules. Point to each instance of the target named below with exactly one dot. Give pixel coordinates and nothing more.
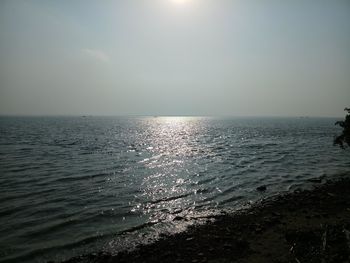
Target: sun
(179, 2)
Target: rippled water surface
(71, 185)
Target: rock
(258, 229)
(261, 188)
(227, 246)
(276, 214)
(242, 244)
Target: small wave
(232, 199)
(55, 226)
(230, 190)
(79, 178)
(204, 190)
(25, 195)
(24, 168)
(35, 253)
(8, 211)
(206, 181)
(136, 228)
(169, 198)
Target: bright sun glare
(179, 1)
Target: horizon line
(170, 115)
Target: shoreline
(302, 226)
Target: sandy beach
(303, 226)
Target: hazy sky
(175, 57)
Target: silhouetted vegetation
(344, 138)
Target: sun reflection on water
(168, 184)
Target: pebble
(261, 188)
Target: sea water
(77, 185)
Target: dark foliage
(344, 138)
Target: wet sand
(303, 226)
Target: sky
(175, 57)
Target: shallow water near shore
(73, 185)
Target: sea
(80, 185)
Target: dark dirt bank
(304, 226)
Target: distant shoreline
(303, 226)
